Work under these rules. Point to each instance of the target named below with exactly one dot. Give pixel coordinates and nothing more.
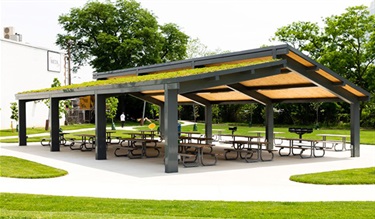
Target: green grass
(10, 132)
(19, 168)
(23, 205)
(339, 177)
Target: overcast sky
(226, 24)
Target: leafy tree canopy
(119, 35)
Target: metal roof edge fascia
(63, 94)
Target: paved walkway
(121, 177)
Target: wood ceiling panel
(180, 99)
(327, 75)
(297, 93)
(300, 59)
(353, 91)
(224, 96)
(291, 78)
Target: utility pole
(70, 42)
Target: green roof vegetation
(150, 77)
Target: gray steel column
(161, 121)
(22, 123)
(354, 128)
(269, 125)
(55, 124)
(170, 128)
(100, 128)
(208, 122)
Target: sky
(230, 25)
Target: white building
(26, 67)
(372, 7)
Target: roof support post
(269, 126)
(208, 122)
(22, 123)
(55, 124)
(161, 121)
(170, 129)
(354, 128)
(100, 127)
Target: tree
(119, 35)
(111, 109)
(14, 116)
(350, 45)
(346, 44)
(195, 49)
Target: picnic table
(335, 143)
(137, 144)
(298, 146)
(109, 137)
(190, 133)
(141, 134)
(85, 140)
(259, 134)
(62, 139)
(195, 157)
(245, 150)
(190, 139)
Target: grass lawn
(20, 168)
(339, 177)
(44, 206)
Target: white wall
(24, 67)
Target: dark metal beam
(208, 121)
(197, 99)
(100, 127)
(147, 98)
(22, 139)
(251, 93)
(171, 124)
(55, 124)
(269, 126)
(354, 128)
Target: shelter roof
(266, 75)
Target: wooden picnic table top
(333, 135)
(138, 133)
(241, 136)
(199, 145)
(195, 138)
(85, 135)
(141, 139)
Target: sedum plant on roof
(150, 77)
